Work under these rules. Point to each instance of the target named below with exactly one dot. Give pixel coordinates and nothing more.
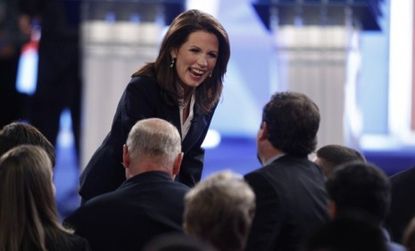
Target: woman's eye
(213, 55)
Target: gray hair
(220, 210)
(156, 138)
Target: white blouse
(185, 125)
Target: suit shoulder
(70, 242)
(141, 89)
(181, 186)
(406, 175)
(256, 177)
(143, 82)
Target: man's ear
(177, 164)
(125, 156)
(263, 131)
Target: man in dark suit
(290, 195)
(363, 190)
(148, 203)
(402, 208)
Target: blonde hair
(28, 215)
(220, 211)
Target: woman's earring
(210, 74)
(173, 60)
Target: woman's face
(196, 58)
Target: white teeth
(197, 71)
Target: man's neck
(270, 154)
(144, 167)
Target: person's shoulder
(143, 81)
(143, 86)
(93, 210)
(70, 242)
(78, 242)
(273, 167)
(408, 174)
(278, 169)
(257, 176)
(180, 186)
(99, 201)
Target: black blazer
(402, 208)
(290, 203)
(143, 98)
(144, 206)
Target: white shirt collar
(270, 160)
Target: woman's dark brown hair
(28, 213)
(208, 93)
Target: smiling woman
(195, 59)
(183, 86)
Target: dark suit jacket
(67, 242)
(290, 203)
(143, 207)
(402, 207)
(143, 98)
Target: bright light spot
(65, 135)
(210, 6)
(27, 71)
(400, 67)
(212, 139)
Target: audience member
(148, 203)
(219, 210)
(28, 213)
(361, 188)
(347, 234)
(12, 37)
(402, 208)
(183, 86)
(19, 133)
(409, 236)
(330, 156)
(177, 242)
(59, 80)
(289, 188)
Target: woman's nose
(202, 61)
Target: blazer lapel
(172, 115)
(197, 127)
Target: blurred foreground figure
(362, 189)
(13, 34)
(59, 68)
(219, 210)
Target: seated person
(148, 203)
(289, 188)
(28, 215)
(219, 210)
(402, 208)
(19, 133)
(347, 234)
(363, 189)
(330, 156)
